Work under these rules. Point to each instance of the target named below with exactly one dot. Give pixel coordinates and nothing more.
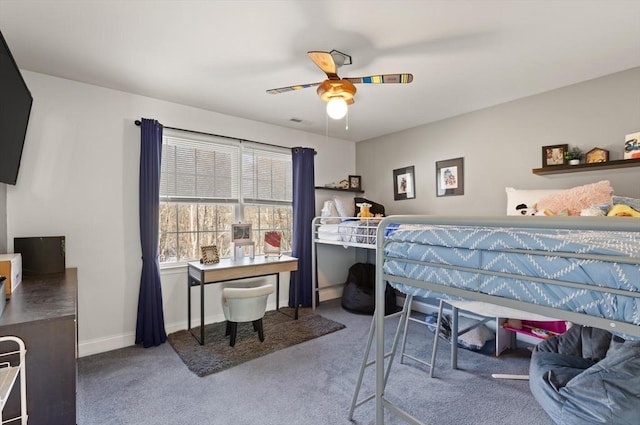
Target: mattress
(536, 266)
(351, 231)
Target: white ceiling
(223, 55)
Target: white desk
(203, 274)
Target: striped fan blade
(292, 88)
(325, 62)
(383, 79)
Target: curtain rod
(138, 123)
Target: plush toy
(620, 210)
(364, 210)
(592, 211)
(523, 209)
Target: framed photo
(596, 155)
(355, 182)
(241, 234)
(404, 183)
(209, 254)
(272, 242)
(554, 155)
(450, 177)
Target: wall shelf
(559, 169)
(339, 189)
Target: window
(209, 183)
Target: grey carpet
(308, 383)
(280, 330)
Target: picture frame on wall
(554, 155)
(404, 183)
(355, 183)
(450, 177)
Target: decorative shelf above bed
(559, 169)
(339, 189)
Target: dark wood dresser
(43, 311)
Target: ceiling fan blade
(383, 79)
(292, 88)
(325, 62)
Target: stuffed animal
(523, 209)
(620, 210)
(364, 210)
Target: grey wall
(502, 144)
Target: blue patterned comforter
(491, 249)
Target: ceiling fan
(339, 92)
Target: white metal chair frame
(8, 375)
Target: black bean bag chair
(587, 376)
(359, 294)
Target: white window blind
(266, 176)
(199, 170)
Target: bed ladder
(403, 325)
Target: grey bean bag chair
(587, 376)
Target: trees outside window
(209, 183)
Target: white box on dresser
(11, 268)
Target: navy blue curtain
(304, 209)
(150, 326)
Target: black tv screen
(15, 107)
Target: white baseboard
(115, 342)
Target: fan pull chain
(326, 127)
(346, 121)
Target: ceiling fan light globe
(336, 108)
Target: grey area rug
(280, 331)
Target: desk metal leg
(190, 285)
(189, 304)
(295, 295)
(201, 313)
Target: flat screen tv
(15, 107)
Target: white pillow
(346, 206)
(329, 213)
(530, 198)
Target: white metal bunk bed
(346, 232)
(423, 272)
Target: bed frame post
(314, 266)
(379, 318)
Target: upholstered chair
(245, 303)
